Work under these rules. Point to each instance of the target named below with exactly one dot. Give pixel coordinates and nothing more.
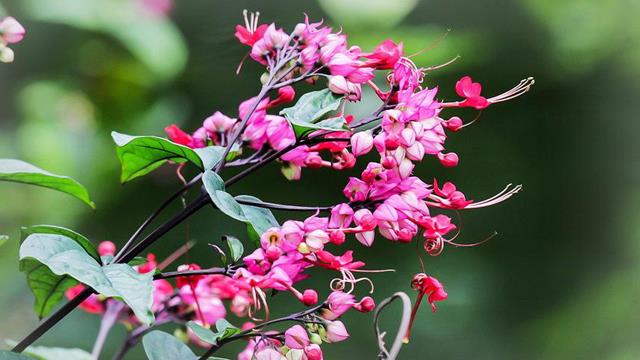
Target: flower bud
(449, 159)
(107, 248)
(454, 124)
(336, 331)
(315, 339)
(313, 352)
(11, 31)
(303, 248)
(310, 297)
(337, 237)
(361, 143)
(365, 305)
(6, 54)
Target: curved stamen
(516, 91)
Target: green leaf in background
(139, 155)
(236, 249)
(223, 330)
(54, 353)
(64, 256)
(8, 355)
(308, 113)
(159, 345)
(259, 219)
(47, 287)
(3, 239)
(23, 172)
(153, 40)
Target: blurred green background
(560, 281)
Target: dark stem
(249, 332)
(155, 214)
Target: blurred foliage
(559, 281)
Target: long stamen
(499, 197)
(516, 91)
(436, 67)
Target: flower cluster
(11, 32)
(387, 198)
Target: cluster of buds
(11, 32)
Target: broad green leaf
(3, 239)
(53, 229)
(235, 248)
(203, 333)
(214, 185)
(260, 219)
(47, 287)
(8, 355)
(223, 330)
(64, 256)
(57, 353)
(310, 110)
(139, 155)
(23, 172)
(159, 345)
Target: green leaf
(3, 239)
(47, 287)
(311, 108)
(139, 155)
(214, 185)
(260, 218)
(223, 330)
(236, 249)
(64, 256)
(8, 355)
(159, 345)
(23, 172)
(138, 260)
(53, 229)
(57, 353)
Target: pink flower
(178, 136)
(279, 132)
(218, 122)
(286, 94)
(336, 331)
(338, 303)
(268, 354)
(341, 86)
(11, 31)
(385, 56)
(356, 189)
(341, 216)
(296, 337)
(470, 90)
(92, 304)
